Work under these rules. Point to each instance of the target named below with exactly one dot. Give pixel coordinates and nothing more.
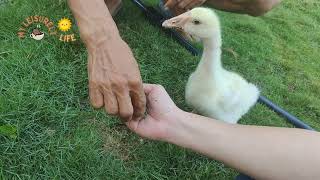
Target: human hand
(161, 117)
(114, 79)
(251, 7)
(183, 5)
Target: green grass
(43, 92)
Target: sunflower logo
(64, 24)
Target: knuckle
(93, 84)
(104, 84)
(118, 82)
(135, 83)
(97, 83)
(111, 110)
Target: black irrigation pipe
(157, 19)
(289, 117)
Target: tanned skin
(251, 7)
(114, 77)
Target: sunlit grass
(43, 92)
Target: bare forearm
(94, 21)
(251, 7)
(262, 152)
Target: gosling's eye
(196, 22)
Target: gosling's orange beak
(178, 21)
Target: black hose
(289, 117)
(157, 19)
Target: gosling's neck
(210, 63)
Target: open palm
(161, 111)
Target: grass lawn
(43, 91)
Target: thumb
(142, 127)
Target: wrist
(177, 128)
(98, 30)
(189, 130)
(94, 20)
(101, 38)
